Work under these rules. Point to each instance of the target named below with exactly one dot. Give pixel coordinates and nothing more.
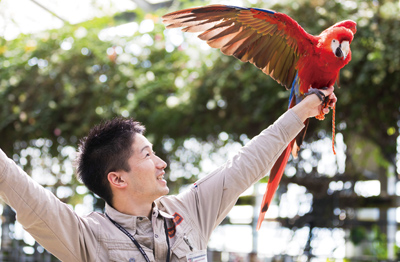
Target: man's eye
(149, 154)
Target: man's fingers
(332, 100)
(333, 97)
(328, 91)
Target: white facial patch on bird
(334, 45)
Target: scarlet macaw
(281, 48)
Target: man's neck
(133, 208)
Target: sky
(29, 16)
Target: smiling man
(142, 223)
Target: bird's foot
(324, 100)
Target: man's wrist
(301, 111)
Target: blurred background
(67, 65)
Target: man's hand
(311, 105)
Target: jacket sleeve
(210, 199)
(52, 223)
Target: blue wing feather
(251, 8)
(295, 92)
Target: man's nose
(161, 164)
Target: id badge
(197, 256)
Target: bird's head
(349, 24)
(337, 41)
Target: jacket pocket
(179, 252)
(180, 248)
(127, 252)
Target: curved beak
(339, 52)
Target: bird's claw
(324, 99)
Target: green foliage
(378, 247)
(379, 244)
(358, 234)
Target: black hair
(107, 148)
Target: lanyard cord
(137, 243)
(166, 235)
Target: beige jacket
(194, 213)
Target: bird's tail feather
(273, 182)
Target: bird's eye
(334, 40)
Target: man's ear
(116, 180)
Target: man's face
(146, 177)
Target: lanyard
(137, 243)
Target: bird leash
(333, 128)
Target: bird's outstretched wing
(272, 41)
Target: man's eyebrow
(145, 147)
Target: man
(140, 223)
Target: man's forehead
(140, 143)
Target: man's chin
(166, 191)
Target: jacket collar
(128, 221)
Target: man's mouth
(161, 177)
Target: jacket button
(156, 236)
(131, 260)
